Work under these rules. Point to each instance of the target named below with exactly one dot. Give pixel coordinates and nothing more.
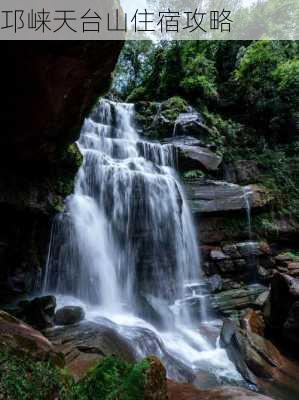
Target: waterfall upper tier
(127, 221)
(125, 247)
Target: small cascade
(247, 199)
(252, 259)
(125, 245)
(174, 127)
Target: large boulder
(155, 384)
(231, 302)
(291, 325)
(242, 172)
(191, 123)
(241, 261)
(193, 154)
(217, 197)
(38, 312)
(179, 391)
(196, 157)
(281, 310)
(69, 315)
(257, 359)
(85, 344)
(22, 339)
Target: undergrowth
(22, 378)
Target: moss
(293, 256)
(138, 94)
(223, 131)
(22, 378)
(174, 106)
(27, 379)
(112, 379)
(72, 157)
(193, 174)
(281, 177)
(234, 227)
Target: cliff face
(47, 90)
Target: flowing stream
(125, 248)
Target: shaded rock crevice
(49, 87)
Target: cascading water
(247, 199)
(125, 246)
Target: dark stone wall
(47, 90)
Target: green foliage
(268, 82)
(112, 379)
(281, 177)
(224, 132)
(172, 107)
(248, 93)
(137, 94)
(292, 255)
(257, 81)
(27, 379)
(193, 174)
(200, 75)
(131, 67)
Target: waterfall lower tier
(125, 246)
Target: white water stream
(125, 247)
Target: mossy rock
(174, 106)
(112, 379)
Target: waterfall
(125, 244)
(247, 199)
(252, 259)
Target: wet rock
(155, 384)
(218, 255)
(215, 283)
(231, 251)
(291, 325)
(264, 275)
(191, 123)
(229, 284)
(240, 264)
(193, 154)
(227, 266)
(196, 157)
(254, 321)
(248, 249)
(264, 248)
(231, 301)
(210, 197)
(179, 391)
(257, 359)
(284, 293)
(22, 339)
(262, 299)
(209, 268)
(261, 197)
(69, 315)
(183, 140)
(293, 268)
(242, 172)
(147, 311)
(196, 307)
(267, 261)
(282, 259)
(39, 312)
(85, 344)
(282, 317)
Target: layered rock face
(48, 89)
